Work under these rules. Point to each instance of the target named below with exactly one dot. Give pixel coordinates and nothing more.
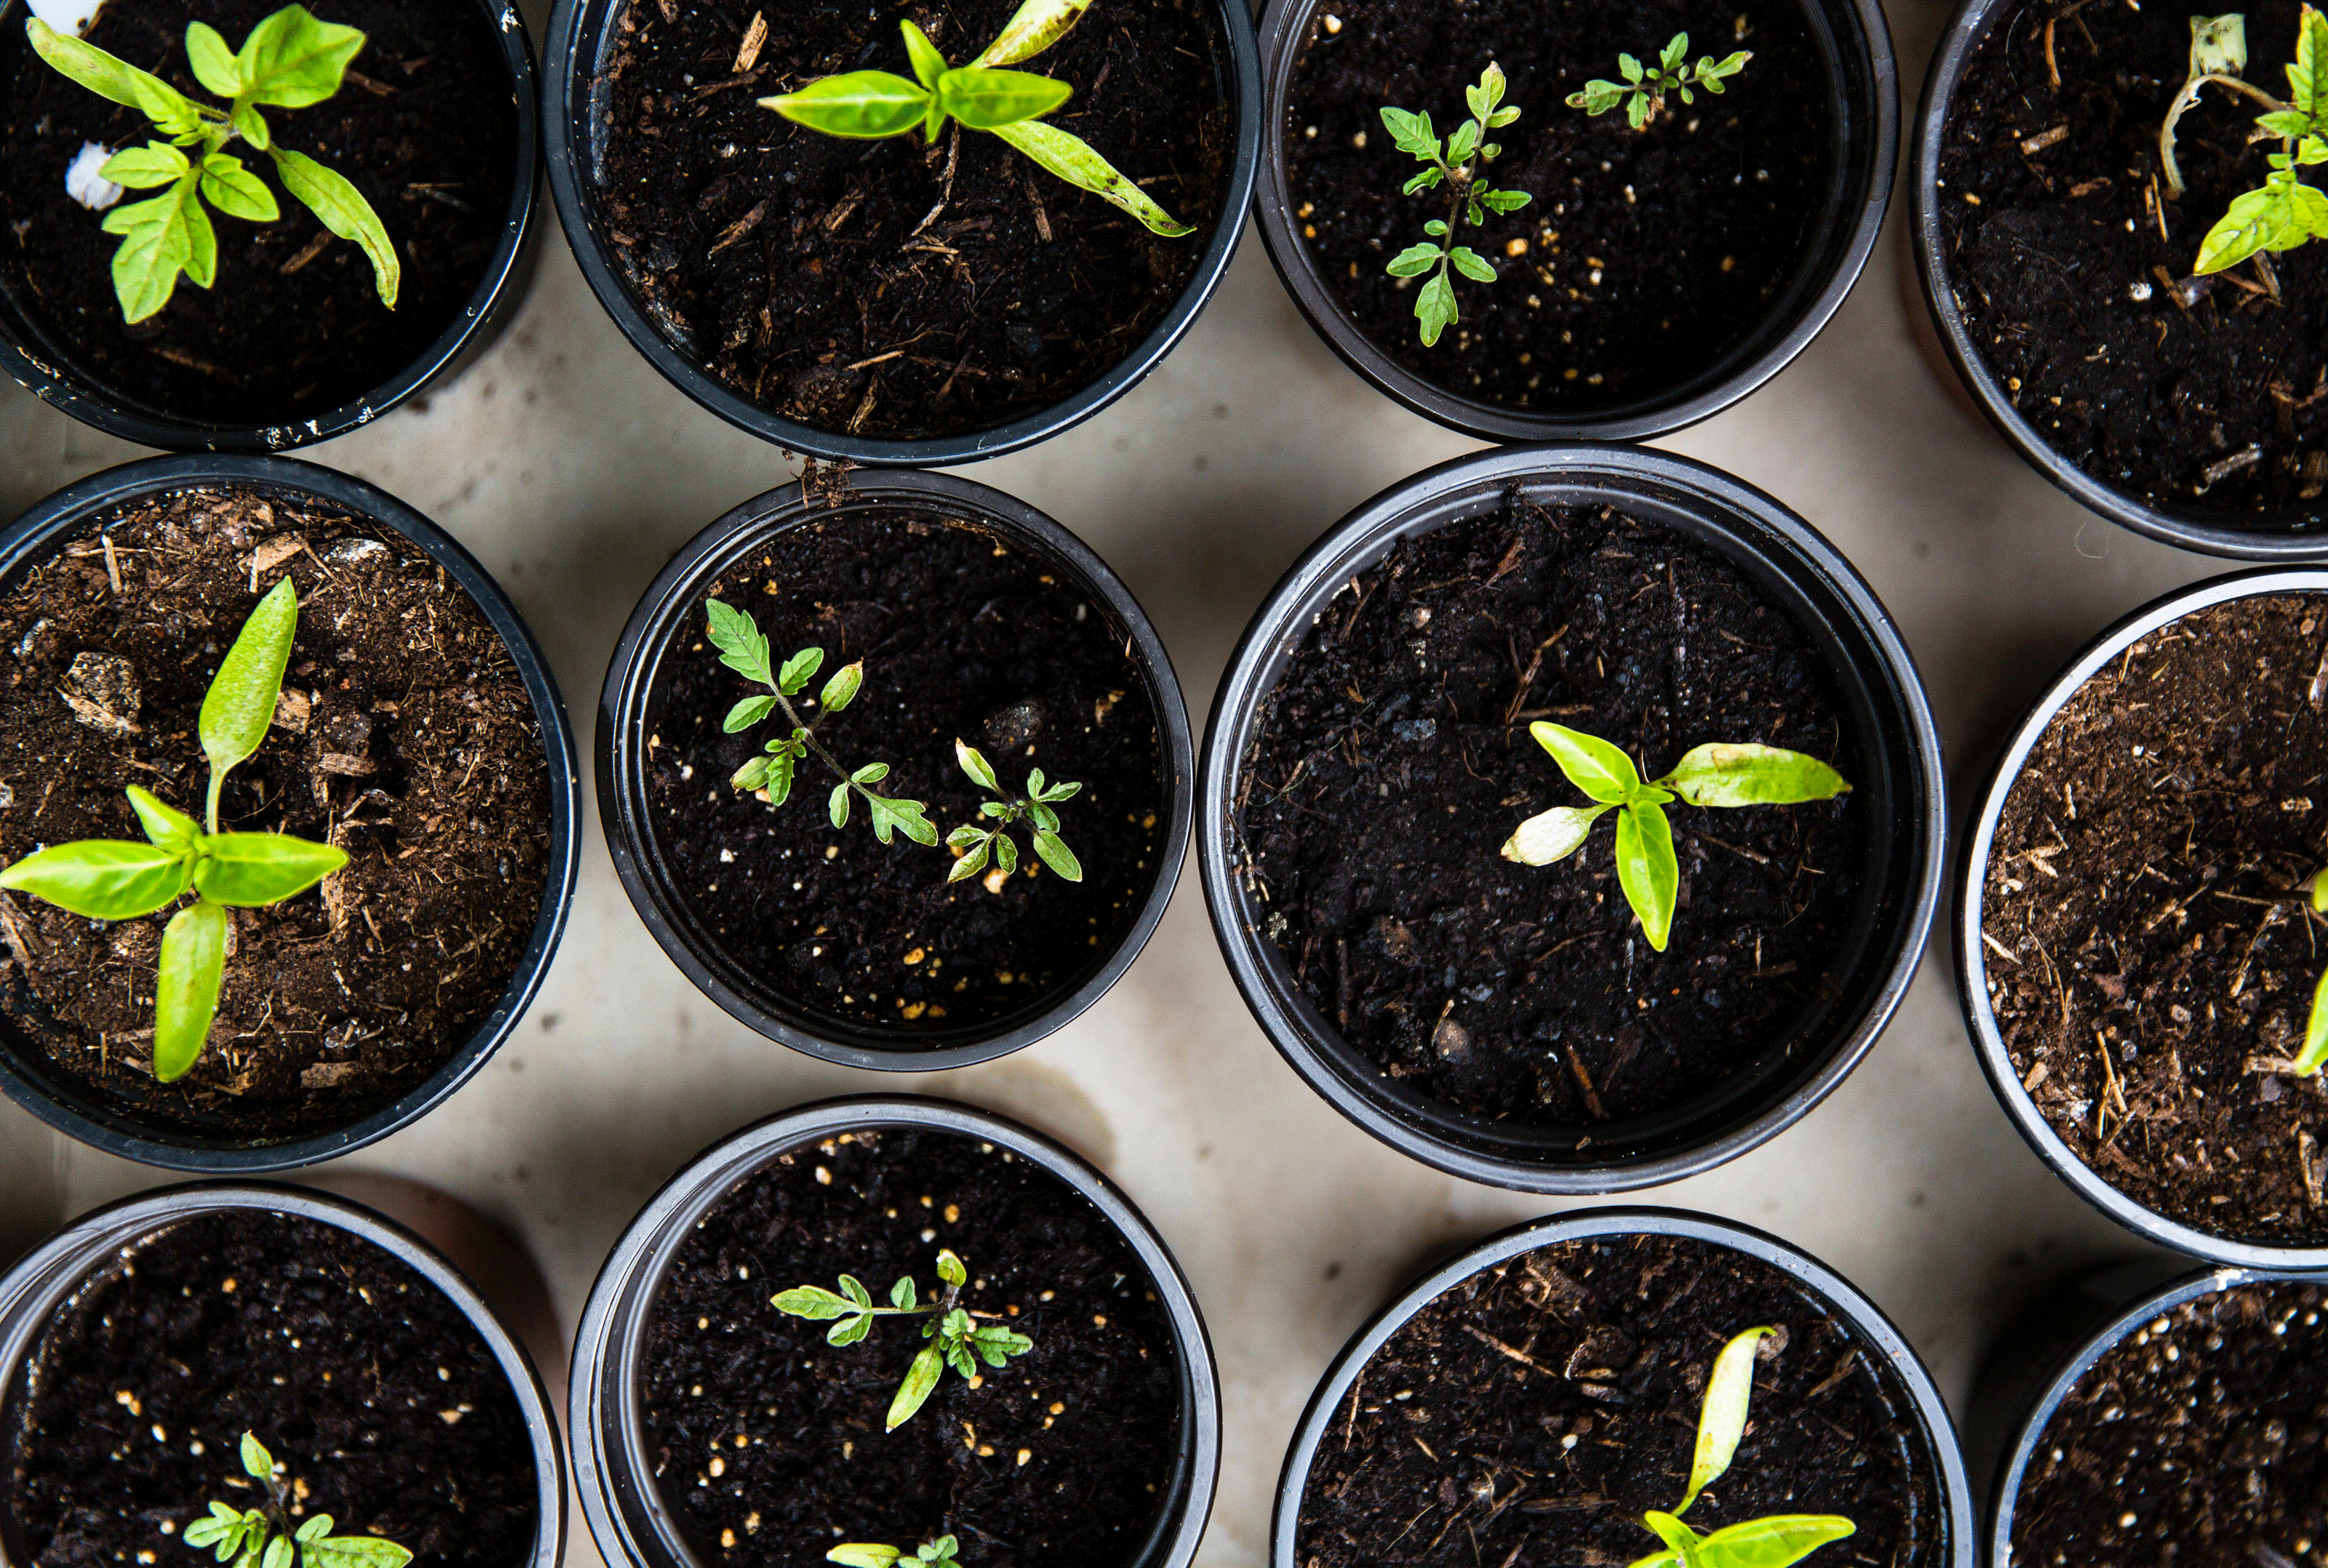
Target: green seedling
(1647, 869)
(978, 97)
(2315, 1054)
(937, 1554)
(265, 1537)
(744, 649)
(1643, 91)
(2284, 212)
(1034, 807)
(1773, 1542)
(290, 60)
(107, 879)
(1459, 162)
(956, 1341)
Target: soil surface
(1393, 760)
(889, 288)
(1531, 1415)
(2073, 272)
(386, 1408)
(2197, 1441)
(292, 325)
(2148, 955)
(961, 637)
(768, 1442)
(405, 736)
(1645, 255)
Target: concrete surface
(573, 471)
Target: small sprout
(1773, 1542)
(1008, 104)
(264, 1536)
(1458, 164)
(2285, 211)
(1646, 868)
(744, 649)
(1643, 90)
(107, 879)
(2315, 1054)
(290, 60)
(937, 1554)
(1034, 807)
(957, 1339)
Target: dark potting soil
(889, 288)
(1645, 255)
(405, 736)
(2074, 274)
(424, 127)
(768, 1442)
(961, 637)
(387, 1408)
(1393, 761)
(2195, 1440)
(1535, 1412)
(2148, 956)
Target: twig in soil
(1584, 1081)
(2052, 66)
(748, 53)
(1509, 1352)
(946, 192)
(737, 230)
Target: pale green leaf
(747, 713)
(928, 63)
(1434, 309)
(103, 879)
(213, 61)
(849, 1331)
(861, 104)
(1551, 836)
(921, 1379)
(2305, 90)
(799, 670)
(279, 1554)
(185, 999)
(1744, 774)
(252, 870)
(113, 78)
(871, 773)
(1076, 163)
(1647, 869)
(1032, 28)
(842, 688)
(1678, 1536)
(950, 1268)
(751, 776)
(341, 207)
(1057, 855)
(812, 1302)
(146, 168)
(1722, 1419)
(161, 237)
(353, 1552)
(975, 763)
(908, 817)
(315, 1528)
(1777, 1542)
(902, 1295)
(985, 99)
(1472, 265)
(292, 60)
(836, 805)
(167, 826)
(1594, 766)
(781, 767)
(236, 191)
(251, 126)
(738, 638)
(973, 860)
(1006, 854)
(2314, 1053)
(240, 704)
(854, 1289)
(863, 1554)
(1413, 260)
(256, 1463)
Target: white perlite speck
(84, 185)
(70, 17)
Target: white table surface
(573, 471)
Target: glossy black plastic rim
(662, 616)
(611, 1472)
(1866, 1319)
(567, 103)
(1867, 142)
(1972, 955)
(1868, 659)
(58, 384)
(2191, 528)
(25, 1075)
(39, 1281)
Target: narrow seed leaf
(1775, 1542)
(355, 1552)
(1647, 869)
(1674, 1534)
(103, 879)
(341, 207)
(975, 763)
(2316, 1033)
(1032, 28)
(109, 77)
(1591, 763)
(952, 1270)
(1074, 161)
(1751, 775)
(921, 1378)
(928, 63)
(1551, 836)
(836, 805)
(1722, 1420)
(185, 1000)
(860, 1554)
(866, 104)
(240, 704)
(251, 870)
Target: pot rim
(2189, 526)
(1792, 551)
(63, 386)
(89, 1120)
(32, 1288)
(1866, 1319)
(625, 1515)
(1853, 213)
(1972, 966)
(624, 698)
(565, 112)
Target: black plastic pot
(1972, 952)
(26, 1074)
(1854, 48)
(1917, 1396)
(583, 32)
(636, 672)
(47, 369)
(1876, 679)
(614, 1472)
(45, 1277)
(2051, 1348)
(2258, 536)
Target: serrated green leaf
(1601, 771)
(103, 879)
(1462, 141)
(239, 706)
(1435, 308)
(1078, 164)
(811, 1302)
(1647, 869)
(162, 238)
(842, 688)
(1423, 180)
(799, 670)
(1722, 1418)
(908, 817)
(1503, 200)
(146, 168)
(185, 999)
(253, 869)
(747, 713)
(1745, 774)
(1553, 835)
(236, 191)
(737, 636)
(2305, 90)
(865, 104)
(293, 61)
(921, 1379)
(341, 207)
